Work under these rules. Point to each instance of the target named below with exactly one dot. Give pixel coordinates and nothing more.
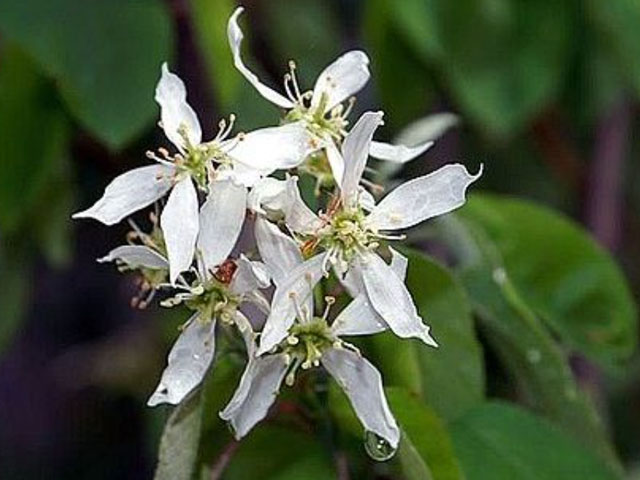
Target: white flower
(195, 162)
(215, 297)
(349, 237)
(311, 342)
(321, 112)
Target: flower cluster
(216, 188)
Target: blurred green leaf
(618, 26)
(403, 82)
(179, 442)
(497, 441)
(425, 450)
(562, 274)
(271, 452)
(34, 139)
(104, 55)
(443, 304)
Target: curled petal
(390, 298)
(221, 219)
(235, 37)
(256, 392)
(297, 215)
(341, 79)
(136, 256)
(249, 276)
(397, 153)
(130, 192)
(175, 112)
(298, 287)
(278, 251)
(179, 223)
(362, 383)
(355, 151)
(422, 198)
(188, 362)
(273, 148)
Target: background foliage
(529, 288)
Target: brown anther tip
(134, 302)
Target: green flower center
(346, 234)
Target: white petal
(341, 79)
(179, 223)
(249, 276)
(422, 198)
(176, 113)
(268, 193)
(366, 200)
(336, 162)
(278, 251)
(351, 280)
(221, 219)
(399, 264)
(355, 151)
(129, 193)
(428, 128)
(358, 318)
(187, 364)
(256, 392)
(300, 285)
(297, 215)
(241, 174)
(362, 383)
(235, 37)
(397, 153)
(391, 299)
(272, 148)
(136, 256)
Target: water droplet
(377, 447)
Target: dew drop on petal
(377, 447)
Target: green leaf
(498, 441)
(14, 293)
(491, 54)
(618, 27)
(179, 442)
(562, 274)
(272, 452)
(425, 449)
(34, 139)
(104, 55)
(444, 306)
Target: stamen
(294, 80)
(329, 300)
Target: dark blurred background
(547, 92)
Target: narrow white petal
(256, 392)
(362, 383)
(397, 153)
(221, 219)
(179, 223)
(299, 284)
(336, 162)
(272, 148)
(422, 198)
(342, 78)
(278, 251)
(249, 276)
(235, 37)
(241, 174)
(188, 362)
(136, 256)
(355, 151)
(351, 280)
(366, 200)
(399, 264)
(175, 112)
(358, 318)
(427, 128)
(390, 298)
(129, 193)
(297, 215)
